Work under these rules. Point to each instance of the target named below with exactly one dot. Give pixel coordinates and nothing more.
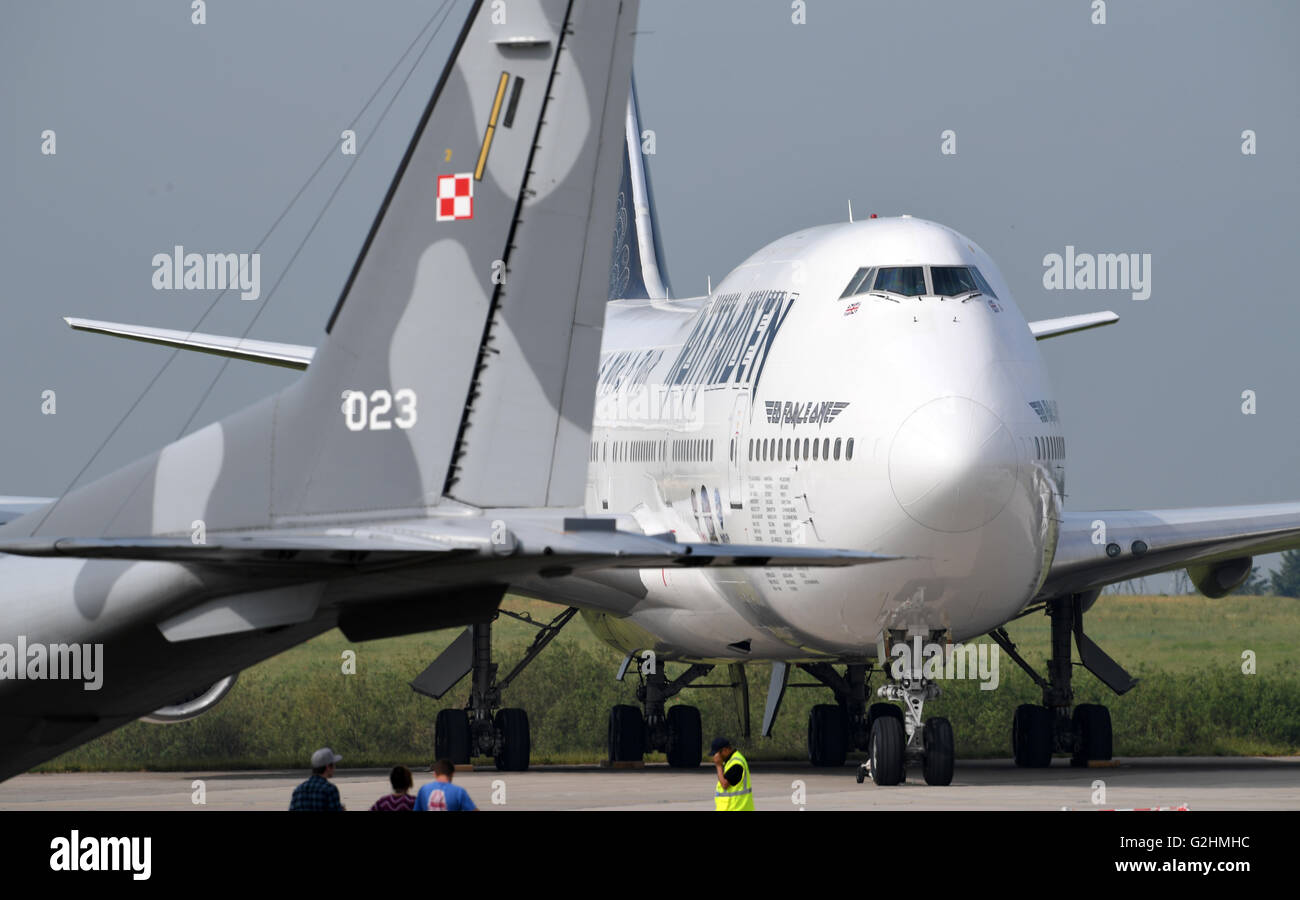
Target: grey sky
(1122, 137)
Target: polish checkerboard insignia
(455, 197)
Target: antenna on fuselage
(709, 292)
(850, 210)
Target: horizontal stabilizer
(13, 507)
(1046, 328)
(289, 356)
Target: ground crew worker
(733, 790)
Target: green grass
(1192, 700)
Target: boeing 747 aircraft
(849, 445)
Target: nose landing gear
(898, 738)
(892, 737)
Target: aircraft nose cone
(953, 465)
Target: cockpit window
(855, 283)
(984, 285)
(909, 281)
(952, 281)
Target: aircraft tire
(451, 738)
(626, 734)
(685, 737)
(876, 710)
(828, 735)
(516, 745)
(938, 745)
(1092, 733)
(887, 747)
(1031, 736)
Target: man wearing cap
(733, 791)
(316, 794)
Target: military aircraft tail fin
(461, 360)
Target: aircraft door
(738, 458)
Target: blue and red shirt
(439, 796)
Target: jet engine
(1215, 580)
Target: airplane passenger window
(779, 448)
(787, 448)
(848, 449)
(837, 448)
(805, 448)
(952, 281)
(826, 448)
(796, 450)
(906, 280)
(815, 448)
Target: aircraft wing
(512, 547)
(1103, 547)
(1043, 329)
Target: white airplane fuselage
(715, 418)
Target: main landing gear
(483, 727)
(677, 732)
(1058, 726)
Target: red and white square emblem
(455, 197)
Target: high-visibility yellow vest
(739, 796)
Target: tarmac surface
(1200, 783)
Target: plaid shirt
(315, 794)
